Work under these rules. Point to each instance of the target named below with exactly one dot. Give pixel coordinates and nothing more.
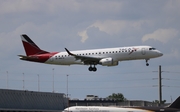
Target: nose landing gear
(147, 64)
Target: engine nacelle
(108, 62)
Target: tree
(117, 96)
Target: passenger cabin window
(152, 48)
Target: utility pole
(67, 86)
(67, 93)
(7, 80)
(38, 83)
(160, 86)
(53, 80)
(23, 81)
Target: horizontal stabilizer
(22, 57)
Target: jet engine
(108, 62)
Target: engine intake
(108, 62)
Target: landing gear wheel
(90, 68)
(147, 64)
(94, 69)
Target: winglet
(69, 52)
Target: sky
(89, 24)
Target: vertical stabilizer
(176, 104)
(30, 47)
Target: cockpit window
(152, 48)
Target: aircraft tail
(175, 104)
(30, 47)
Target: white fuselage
(117, 54)
(102, 109)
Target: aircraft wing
(85, 59)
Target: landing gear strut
(147, 64)
(92, 68)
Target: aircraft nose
(160, 53)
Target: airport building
(93, 100)
(31, 100)
(28, 101)
(111, 102)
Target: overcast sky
(88, 24)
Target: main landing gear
(147, 64)
(92, 68)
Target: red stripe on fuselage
(41, 57)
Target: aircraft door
(51, 58)
(143, 51)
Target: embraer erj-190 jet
(93, 57)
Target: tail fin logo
(30, 47)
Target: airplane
(101, 109)
(174, 107)
(93, 57)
